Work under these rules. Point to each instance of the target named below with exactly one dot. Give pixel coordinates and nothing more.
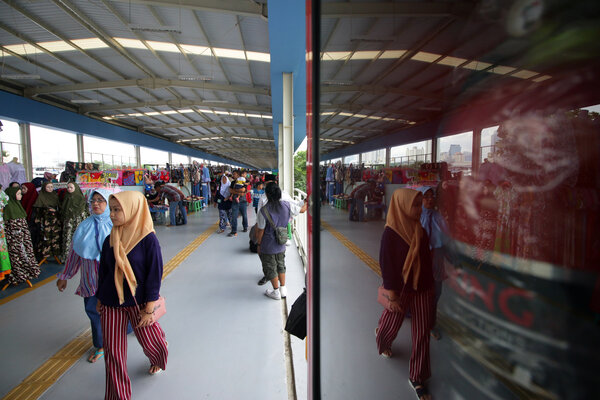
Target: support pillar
(476, 160)
(280, 154)
(434, 146)
(288, 133)
(138, 156)
(80, 149)
(26, 159)
(170, 159)
(388, 153)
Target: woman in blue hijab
(436, 228)
(85, 255)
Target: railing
(300, 229)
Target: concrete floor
(225, 337)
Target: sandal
(420, 390)
(95, 356)
(436, 334)
(156, 368)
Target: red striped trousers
(114, 331)
(422, 309)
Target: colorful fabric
(68, 230)
(50, 234)
(24, 266)
(88, 283)
(13, 208)
(29, 198)
(4, 258)
(90, 234)
(138, 224)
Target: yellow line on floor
(367, 259)
(49, 372)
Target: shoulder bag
(281, 235)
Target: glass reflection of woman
(130, 265)
(435, 226)
(84, 255)
(73, 210)
(406, 270)
(18, 240)
(46, 217)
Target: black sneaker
(262, 281)
(231, 234)
(245, 230)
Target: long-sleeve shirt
(88, 284)
(172, 193)
(147, 264)
(205, 175)
(392, 253)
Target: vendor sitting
(358, 198)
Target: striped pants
(422, 309)
(114, 331)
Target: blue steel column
(288, 133)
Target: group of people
(37, 226)
(412, 268)
(121, 266)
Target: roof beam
(237, 7)
(210, 124)
(148, 83)
(390, 9)
(380, 90)
(348, 127)
(177, 103)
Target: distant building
(454, 148)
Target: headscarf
(138, 224)
(409, 229)
(225, 186)
(45, 199)
(87, 241)
(432, 222)
(29, 198)
(73, 204)
(13, 209)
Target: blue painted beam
(21, 109)
(287, 41)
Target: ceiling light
(152, 28)
(84, 101)
(20, 76)
(191, 77)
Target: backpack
(281, 236)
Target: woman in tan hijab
(408, 283)
(129, 279)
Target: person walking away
(239, 204)
(405, 263)
(18, 241)
(271, 253)
(46, 217)
(358, 198)
(129, 280)
(205, 183)
(84, 256)
(175, 197)
(435, 226)
(224, 203)
(74, 209)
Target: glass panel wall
(413, 154)
(154, 158)
(457, 151)
(351, 160)
(108, 153)
(50, 149)
(10, 141)
(372, 158)
(179, 159)
(489, 138)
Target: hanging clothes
(4, 258)
(18, 240)
(17, 171)
(5, 175)
(46, 217)
(73, 210)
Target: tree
(300, 171)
